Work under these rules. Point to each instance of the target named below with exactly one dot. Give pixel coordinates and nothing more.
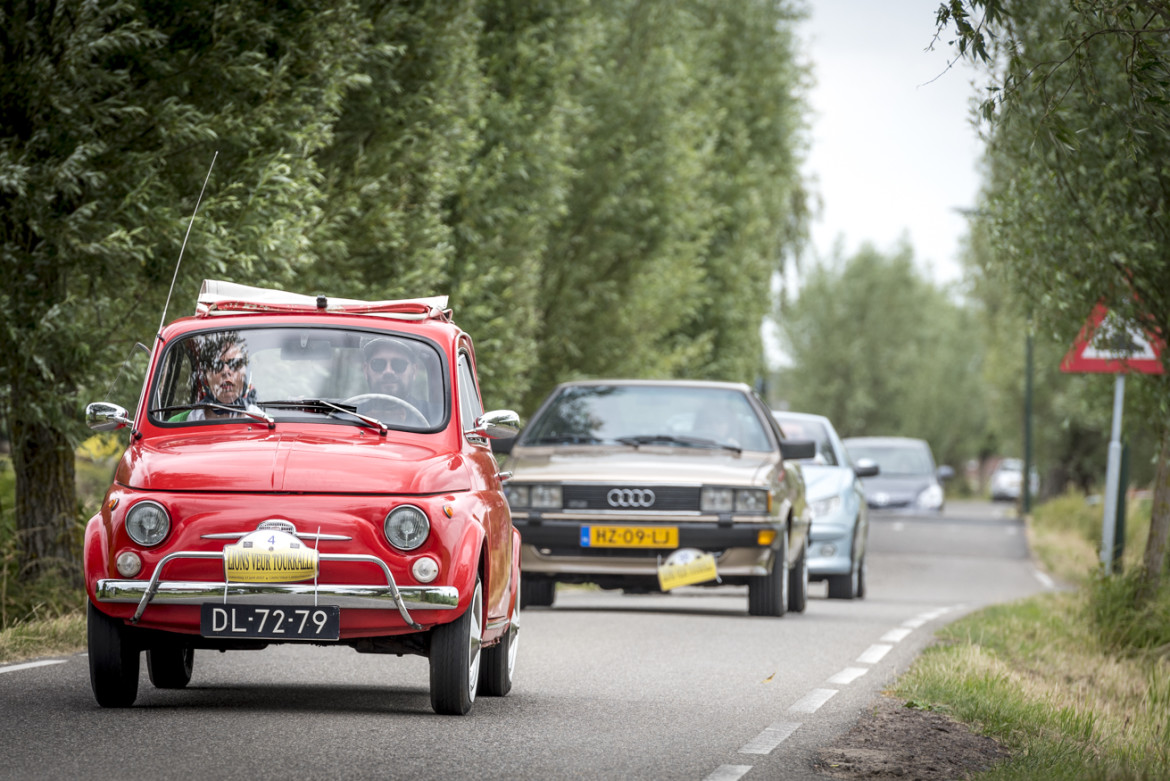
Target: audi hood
(646, 465)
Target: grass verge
(1074, 684)
(43, 637)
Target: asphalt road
(608, 686)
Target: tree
(880, 351)
(111, 114)
(1077, 175)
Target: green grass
(1075, 684)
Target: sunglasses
(378, 365)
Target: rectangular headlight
(517, 495)
(716, 500)
(751, 500)
(546, 497)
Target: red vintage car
(306, 470)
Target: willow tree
(112, 113)
(1078, 174)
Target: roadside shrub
(1125, 627)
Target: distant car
(646, 485)
(836, 496)
(292, 515)
(1008, 478)
(908, 480)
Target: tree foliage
(883, 352)
(1078, 179)
(603, 188)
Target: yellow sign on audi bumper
(269, 556)
(686, 567)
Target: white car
(1007, 479)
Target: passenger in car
(224, 379)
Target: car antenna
(184, 247)
(166, 305)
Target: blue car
(836, 497)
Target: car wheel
(798, 582)
(113, 661)
(499, 661)
(768, 594)
(860, 591)
(537, 593)
(454, 658)
(170, 668)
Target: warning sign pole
(1113, 477)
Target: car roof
(778, 413)
(885, 441)
(740, 386)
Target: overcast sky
(893, 152)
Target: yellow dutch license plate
(629, 536)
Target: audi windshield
(640, 415)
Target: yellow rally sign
(269, 556)
(686, 567)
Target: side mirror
(866, 467)
(945, 472)
(798, 449)
(498, 424)
(103, 416)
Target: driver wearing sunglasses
(390, 366)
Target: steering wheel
(411, 410)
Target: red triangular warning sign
(1108, 345)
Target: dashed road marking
(728, 772)
(27, 665)
(848, 675)
(896, 635)
(1045, 581)
(874, 653)
(811, 701)
(770, 738)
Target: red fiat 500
(306, 470)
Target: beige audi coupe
(649, 485)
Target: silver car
(836, 496)
(909, 482)
(648, 485)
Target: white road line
(896, 635)
(933, 614)
(914, 623)
(728, 772)
(1045, 581)
(848, 675)
(14, 667)
(811, 701)
(770, 738)
(874, 653)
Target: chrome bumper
(366, 597)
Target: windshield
(800, 428)
(648, 415)
(911, 458)
(305, 374)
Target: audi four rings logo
(630, 497)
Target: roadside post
(1108, 345)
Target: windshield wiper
(670, 439)
(330, 407)
(566, 439)
(267, 420)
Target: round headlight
(407, 527)
(147, 523)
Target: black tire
(861, 578)
(850, 585)
(170, 667)
(113, 660)
(768, 595)
(498, 663)
(537, 592)
(455, 657)
(798, 582)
